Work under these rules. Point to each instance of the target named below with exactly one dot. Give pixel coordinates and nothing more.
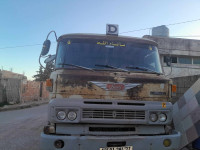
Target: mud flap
(186, 115)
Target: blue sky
(26, 22)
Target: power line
(20, 46)
(186, 36)
(165, 25)
(136, 30)
(149, 28)
(183, 22)
(23, 46)
(55, 42)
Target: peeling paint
(76, 84)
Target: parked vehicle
(108, 92)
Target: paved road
(20, 129)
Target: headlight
(71, 115)
(153, 117)
(162, 117)
(61, 115)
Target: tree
(43, 73)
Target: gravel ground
(20, 129)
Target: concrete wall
(9, 74)
(160, 31)
(178, 70)
(1, 93)
(1, 89)
(177, 47)
(10, 90)
(14, 88)
(183, 84)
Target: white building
(184, 53)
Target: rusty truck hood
(110, 85)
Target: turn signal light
(49, 129)
(167, 142)
(49, 82)
(174, 88)
(49, 85)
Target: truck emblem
(115, 87)
(109, 86)
(114, 114)
(112, 29)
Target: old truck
(108, 92)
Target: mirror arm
(54, 34)
(40, 62)
(48, 40)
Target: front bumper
(97, 142)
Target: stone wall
(33, 91)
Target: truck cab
(108, 92)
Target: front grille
(113, 114)
(111, 129)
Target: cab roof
(107, 37)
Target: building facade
(184, 53)
(15, 88)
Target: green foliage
(43, 74)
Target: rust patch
(134, 92)
(81, 80)
(74, 83)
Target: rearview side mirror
(50, 59)
(46, 47)
(168, 60)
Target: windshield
(98, 54)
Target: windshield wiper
(111, 67)
(144, 69)
(77, 66)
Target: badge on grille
(114, 114)
(115, 86)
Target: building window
(173, 59)
(182, 60)
(185, 60)
(165, 59)
(196, 60)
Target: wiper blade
(76, 66)
(143, 69)
(112, 67)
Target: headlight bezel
(151, 116)
(59, 113)
(160, 113)
(56, 110)
(70, 114)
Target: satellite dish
(50, 59)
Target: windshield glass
(98, 54)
